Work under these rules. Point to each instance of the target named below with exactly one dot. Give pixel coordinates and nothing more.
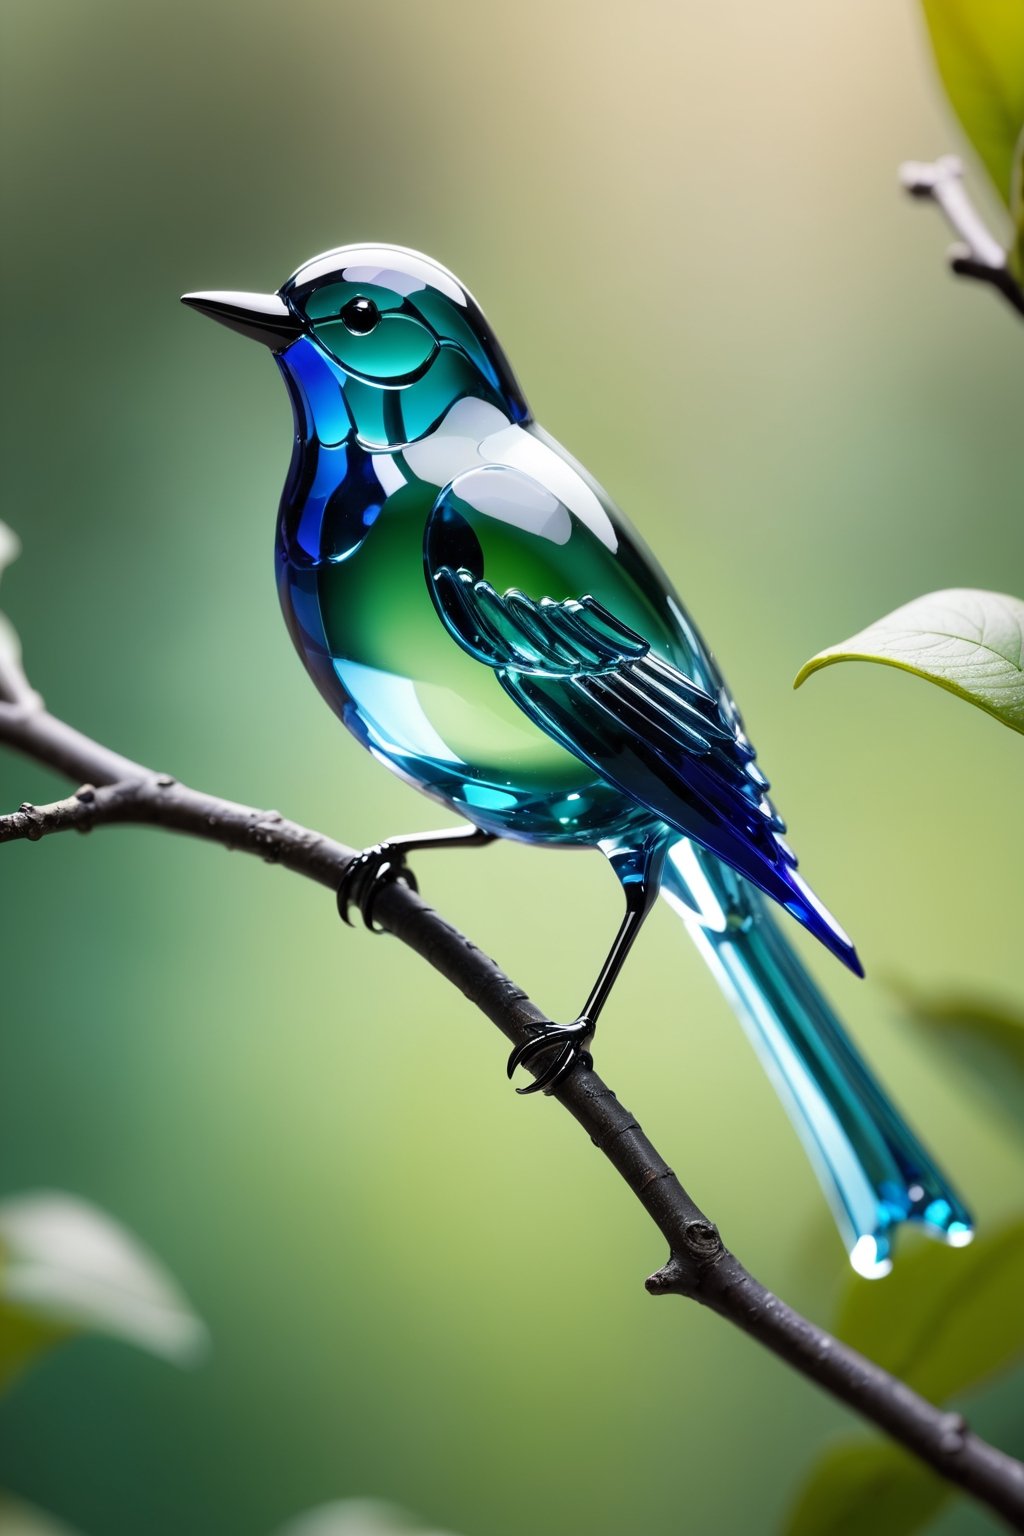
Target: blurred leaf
(861, 1487)
(66, 1268)
(10, 547)
(354, 1517)
(13, 682)
(945, 1319)
(1016, 257)
(979, 50)
(967, 641)
(23, 1339)
(985, 1037)
(18, 1519)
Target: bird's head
(394, 331)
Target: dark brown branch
(699, 1266)
(977, 252)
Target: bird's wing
(603, 690)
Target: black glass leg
(568, 1044)
(376, 867)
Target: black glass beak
(260, 316)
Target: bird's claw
(365, 878)
(568, 1045)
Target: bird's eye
(360, 316)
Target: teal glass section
(872, 1166)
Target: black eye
(360, 316)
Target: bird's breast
(367, 630)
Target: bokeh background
(683, 222)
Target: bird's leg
(567, 1043)
(384, 863)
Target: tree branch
(699, 1265)
(977, 253)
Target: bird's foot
(365, 878)
(567, 1045)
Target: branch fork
(977, 253)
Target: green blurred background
(683, 222)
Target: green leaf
(66, 1268)
(985, 1037)
(860, 1487)
(967, 641)
(18, 1519)
(354, 1517)
(946, 1319)
(979, 50)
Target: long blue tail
(874, 1170)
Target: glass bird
(486, 622)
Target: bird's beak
(261, 316)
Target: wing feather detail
(651, 716)
(511, 630)
(580, 649)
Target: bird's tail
(874, 1170)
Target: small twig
(977, 253)
(699, 1266)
